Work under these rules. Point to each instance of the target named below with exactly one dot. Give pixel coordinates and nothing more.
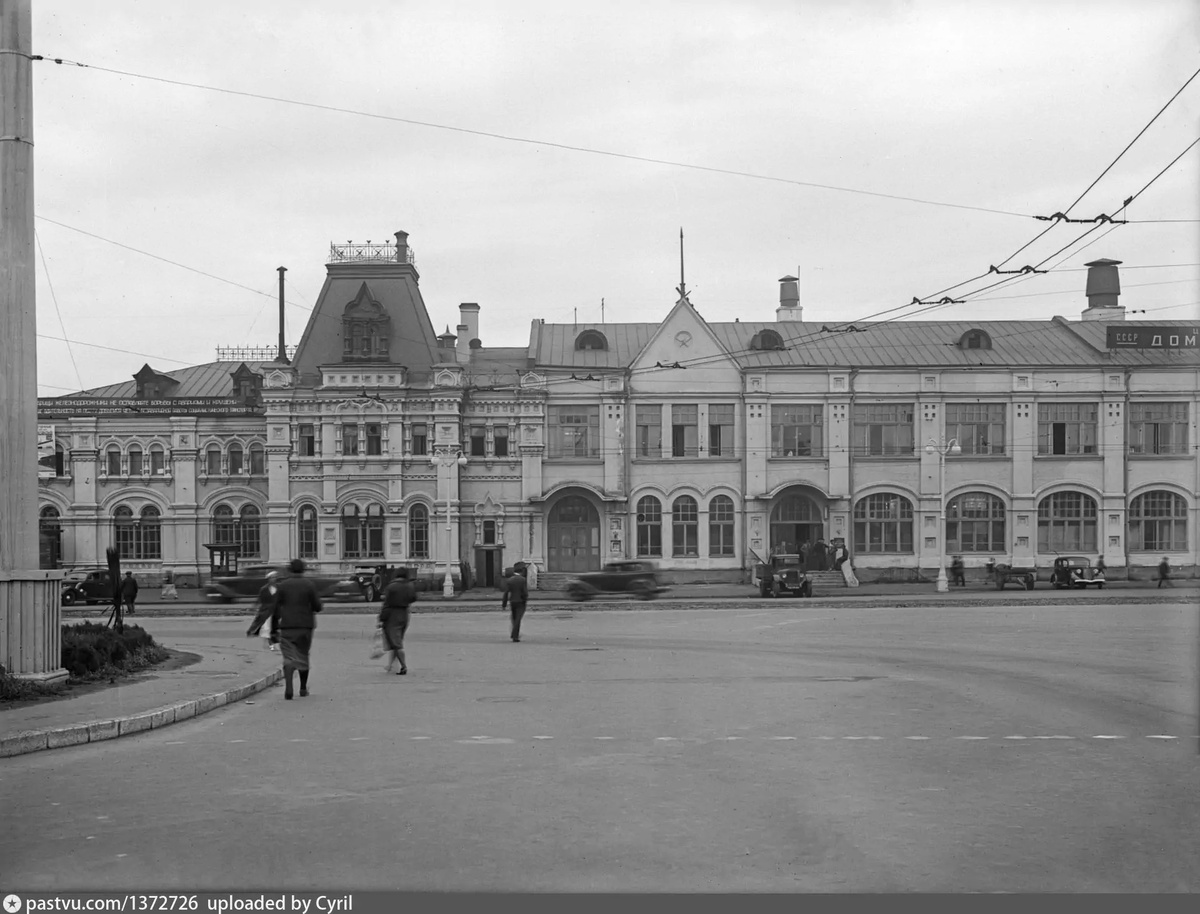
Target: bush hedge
(91, 651)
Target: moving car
(638, 578)
(246, 584)
(784, 575)
(87, 584)
(1076, 571)
(1003, 574)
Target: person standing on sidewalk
(1164, 573)
(292, 623)
(129, 592)
(394, 615)
(266, 608)
(516, 593)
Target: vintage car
(1076, 571)
(89, 584)
(1003, 574)
(783, 575)
(246, 584)
(638, 578)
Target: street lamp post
(950, 449)
(448, 458)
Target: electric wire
(54, 298)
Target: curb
(98, 730)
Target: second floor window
(720, 430)
(235, 460)
(979, 427)
(1067, 428)
(500, 440)
(349, 440)
(1158, 428)
(113, 461)
(135, 461)
(649, 430)
(374, 439)
(883, 430)
(685, 431)
(258, 460)
(212, 460)
(478, 442)
(796, 431)
(574, 431)
(420, 439)
(308, 440)
(158, 463)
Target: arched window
(135, 460)
(418, 532)
(1158, 522)
(60, 460)
(590, 339)
(374, 531)
(685, 525)
(235, 459)
(112, 460)
(258, 460)
(975, 523)
(766, 340)
(975, 339)
(224, 530)
(649, 526)
(250, 531)
(158, 462)
(49, 537)
(149, 534)
(1067, 523)
(212, 460)
(123, 532)
(306, 533)
(883, 523)
(720, 526)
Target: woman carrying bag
(393, 618)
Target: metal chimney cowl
(1103, 291)
(789, 300)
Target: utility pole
(29, 597)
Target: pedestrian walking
(393, 618)
(957, 572)
(1101, 569)
(1164, 573)
(129, 592)
(293, 622)
(516, 593)
(266, 608)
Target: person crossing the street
(516, 593)
(394, 616)
(292, 624)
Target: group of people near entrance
(818, 556)
(290, 605)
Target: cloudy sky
(544, 156)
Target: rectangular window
(1067, 428)
(685, 431)
(258, 462)
(478, 443)
(135, 463)
(308, 441)
(308, 537)
(720, 430)
(1158, 429)
(979, 427)
(574, 431)
(374, 540)
(883, 429)
(500, 440)
(349, 440)
(648, 420)
(420, 439)
(796, 431)
(157, 463)
(235, 461)
(114, 463)
(213, 461)
(374, 439)
(720, 527)
(352, 547)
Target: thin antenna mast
(682, 286)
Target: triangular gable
(684, 339)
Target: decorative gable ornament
(279, 378)
(447, 377)
(533, 379)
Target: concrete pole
(30, 642)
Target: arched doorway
(573, 536)
(796, 519)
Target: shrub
(90, 650)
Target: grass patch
(91, 652)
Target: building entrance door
(489, 568)
(573, 537)
(795, 520)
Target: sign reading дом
(1152, 337)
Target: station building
(704, 446)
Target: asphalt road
(768, 747)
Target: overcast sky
(454, 125)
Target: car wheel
(68, 598)
(369, 593)
(642, 589)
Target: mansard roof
(212, 379)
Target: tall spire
(682, 290)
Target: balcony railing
(384, 252)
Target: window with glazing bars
(349, 440)
(1067, 428)
(1158, 522)
(685, 526)
(574, 431)
(883, 429)
(1158, 429)
(648, 421)
(720, 430)
(979, 427)
(796, 430)
(685, 430)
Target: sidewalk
(156, 698)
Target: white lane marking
(174, 742)
(781, 737)
(825, 737)
(872, 737)
(422, 737)
(1107, 736)
(1161, 736)
(484, 741)
(119, 856)
(543, 737)
(970, 737)
(732, 738)
(237, 740)
(90, 837)
(853, 737)
(300, 740)
(101, 817)
(1015, 737)
(1056, 736)
(918, 737)
(604, 737)
(665, 739)
(356, 739)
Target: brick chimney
(1103, 290)
(789, 300)
(469, 317)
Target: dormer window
(153, 386)
(591, 340)
(766, 340)
(366, 329)
(247, 386)
(975, 339)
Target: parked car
(89, 584)
(638, 578)
(784, 575)
(1025, 575)
(250, 580)
(1076, 571)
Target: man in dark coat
(292, 624)
(516, 593)
(1164, 573)
(393, 617)
(129, 592)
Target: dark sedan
(87, 585)
(632, 577)
(247, 583)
